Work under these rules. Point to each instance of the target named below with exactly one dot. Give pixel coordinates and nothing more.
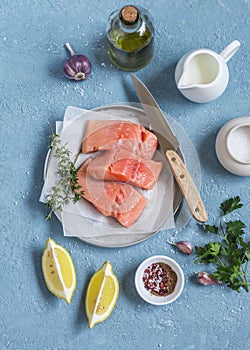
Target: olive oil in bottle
(130, 34)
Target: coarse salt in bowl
(144, 284)
(233, 146)
(238, 143)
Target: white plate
(145, 294)
(125, 239)
(222, 151)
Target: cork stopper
(129, 14)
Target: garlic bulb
(77, 67)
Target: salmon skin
(107, 134)
(119, 200)
(122, 165)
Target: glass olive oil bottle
(130, 34)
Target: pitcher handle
(230, 50)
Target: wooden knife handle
(187, 186)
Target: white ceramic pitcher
(202, 75)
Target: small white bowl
(238, 143)
(145, 294)
(233, 146)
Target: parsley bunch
(231, 253)
(67, 182)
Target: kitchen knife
(169, 145)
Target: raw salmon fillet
(122, 165)
(118, 200)
(107, 134)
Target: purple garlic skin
(205, 279)
(185, 247)
(77, 67)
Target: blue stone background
(33, 91)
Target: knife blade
(169, 145)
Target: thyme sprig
(230, 253)
(66, 187)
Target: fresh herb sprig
(66, 187)
(231, 253)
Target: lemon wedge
(58, 271)
(102, 294)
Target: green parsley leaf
(212, 229)
(230, 205)
(235, 230)
(208, 253)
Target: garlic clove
(185, 247)
(205, 279)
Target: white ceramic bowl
(233, 146)
(145, 294)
